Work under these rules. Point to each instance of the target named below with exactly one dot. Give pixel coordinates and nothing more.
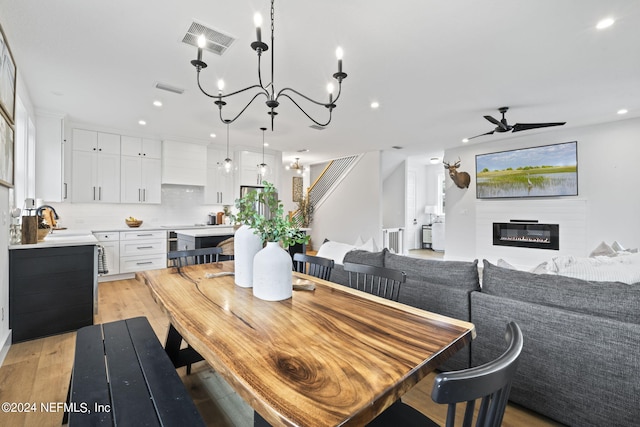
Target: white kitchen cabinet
(142, 250)
(184, 163)
(51, 146)
(249, 162)
(96, 167)
(110, 241)
(133, 146)
(140, 180)
(219, 188)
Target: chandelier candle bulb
(257, 20)
(202, 42)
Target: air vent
(169, 88)
(217, 42)
(316, 127)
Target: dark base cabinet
(51, 290)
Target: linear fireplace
(526, 234)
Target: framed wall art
(545, 171)
(7, 79)
(6, 152)
(296, 185)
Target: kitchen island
(203, 238)
(52, 285)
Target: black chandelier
(269, 90)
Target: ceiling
(435, 67)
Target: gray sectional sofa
(581, 357)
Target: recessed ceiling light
(212, 135)
(142, 122)
(623, 111)
(465, 140)
(605, 23)
(266, 144)
(157, 103)
(375, 104)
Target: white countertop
(217, 231)
(176, 227)
(62, 238)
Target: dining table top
(325, 357)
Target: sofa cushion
(614, 300)
(579, 369)
(338, 275)
(461, 274)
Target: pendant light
(263, 168)
(228, 163)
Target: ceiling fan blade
(526, 126)
(498, 123)
(482, 134)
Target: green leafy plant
(273, 225)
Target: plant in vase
(272, 266)
(246, 243)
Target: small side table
(426, 236)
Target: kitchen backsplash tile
(180, 205)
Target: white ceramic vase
(272, 273)
(246, 245)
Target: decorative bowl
(42, 233)
(133, 224)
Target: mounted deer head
(461, 179)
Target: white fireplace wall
(608, 156)
(570, 215)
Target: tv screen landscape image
(544, 171)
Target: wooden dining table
(325, 357)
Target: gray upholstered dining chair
(194, 256)
(380, 281)
(490, 382)
(313, 265)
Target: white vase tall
(246, 245)
(272, 273)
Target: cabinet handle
(139, 199)
(144, 235)
(94, 193)
(143, 263)
(65, 191)
(99, 193)
(144, 194)
(145, 247)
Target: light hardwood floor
(38, 371)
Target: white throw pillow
(334, 250)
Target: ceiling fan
(503, 126)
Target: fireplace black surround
(526, 234)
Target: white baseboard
(6, 344)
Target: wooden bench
(122, 376)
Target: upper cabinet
(51, 147)
(248, 171)
(96, 167)
(147, 148)
(141, 170)
(184, 163)
(219, 189)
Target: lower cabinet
(110, 241)
(142, 250)
(51, 290)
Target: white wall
(607, 162)
(393, 197)
(354, 208)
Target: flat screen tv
(544, 171)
